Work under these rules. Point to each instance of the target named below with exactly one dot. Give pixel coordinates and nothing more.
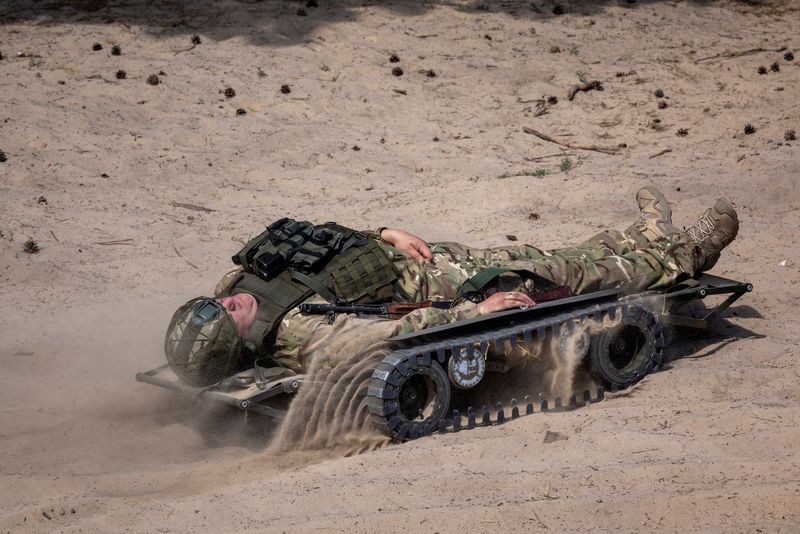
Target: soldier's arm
(505, 300)
(413, 246)
(427, 317)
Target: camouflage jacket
(439, 279)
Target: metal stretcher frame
(248, 399)
(708, 284)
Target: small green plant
(566, 165)
(525, 172)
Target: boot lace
(638, 222)
(702, 228)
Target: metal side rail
(706, 285)
(512, 317)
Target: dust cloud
(569, 358)
(550, 368)
(330, 410)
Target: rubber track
(388, 373)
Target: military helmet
(202, 345)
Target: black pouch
(337, 262)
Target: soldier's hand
(412, 245)
(505, 300)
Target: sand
(136, 196)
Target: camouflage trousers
(608, 259)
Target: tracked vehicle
(619, 338)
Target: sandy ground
(137, 195)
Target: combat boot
(714, 231)
(655, 214)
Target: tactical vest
(292, 260)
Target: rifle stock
(398, 310)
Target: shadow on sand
(283, 23)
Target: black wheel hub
(414, 396)
(621, 355)
(625, 346)
(408, 395)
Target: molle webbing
(293, 260)
(360, 274)
(340, 264)
(271, 252)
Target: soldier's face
(242, 308)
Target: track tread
(383, 387)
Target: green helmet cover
(202, 345)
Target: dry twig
(541, 523)
(763, 418)
(728, 55)
(396, 504)
(98, 77)
(665, 151)
(127, 241)
(193, 207)
(557, 155)
(182, 50)
(597, 85)
(540, 135)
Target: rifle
(390, 310)
(398, 310)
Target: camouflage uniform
(609, 259)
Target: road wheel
(408, 395)
(624, 353)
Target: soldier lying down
(255, 314)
